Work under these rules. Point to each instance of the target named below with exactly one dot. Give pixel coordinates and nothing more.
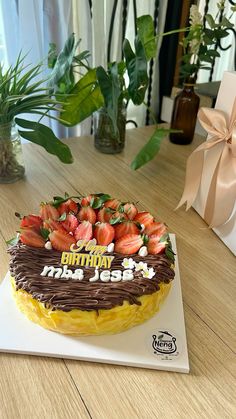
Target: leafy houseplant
(19, 94)
(200, 50)
(106, 89)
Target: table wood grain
(37, 387)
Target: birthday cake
(90, 266)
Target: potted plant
(200, 51)
(105, 91)
(21, 92)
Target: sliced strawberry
(86, 200)
(70, 223)
(104, 215)
(30, 237)
(48, 211)
(33, 221)
(104, 233)
(112, 203)
(53, 225)
(144, 218)
(87, 214)
(84, 231)
(157, 229)
(129, 244)
(61, 241)
(154, 246)
(68, 206)
(130, 210)
(126, 227)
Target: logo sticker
(165, 345)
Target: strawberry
(32, 221)
(104, 215)
(53, 225)
(70, 223)
(154, 246)
(144, 218)
(126, 227)
(86, 200)
(157, 229)
(112, 203)
(128, 244)
(88, 214)
(68, 206)
(48, 211)
(61, 241)
(104, 233)
(84, 231)
(130, 210)
(30, 237)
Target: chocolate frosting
(58, 294)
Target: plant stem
(151, 113)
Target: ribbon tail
(222, 192)
(193, 178)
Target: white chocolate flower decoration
(141, 266)
(148, 273)
(128, 263)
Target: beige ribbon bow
(222, 192)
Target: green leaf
(42, 135)
(44, 233)
(52, 55)
(213, 53)
(210, 21)
(225, 22)
(150, 149)
(136, 64)
(58, 200)
(98, 201)
(146, 32)
(84, 99)
(62, 217)
(110, 88)
(64, 61)
(116, 220)
(13, 241)
(160, 337)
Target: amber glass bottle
(184, 114)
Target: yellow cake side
(81, 323)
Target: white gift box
(224, 102)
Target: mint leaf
(62, 217)
(13, 241)
(44, 233)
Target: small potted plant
(104, 91)
(22, 93)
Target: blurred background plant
(201, 41)
(107, 88)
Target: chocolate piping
(27, 263)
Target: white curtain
(30, 25)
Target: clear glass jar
(106, 140)
(11, 158)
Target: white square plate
(160, 343)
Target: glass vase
(184, 114)
(11, 158)
(105, 139)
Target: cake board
(159, 343)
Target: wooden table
(35, 387)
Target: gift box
(210, 185)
